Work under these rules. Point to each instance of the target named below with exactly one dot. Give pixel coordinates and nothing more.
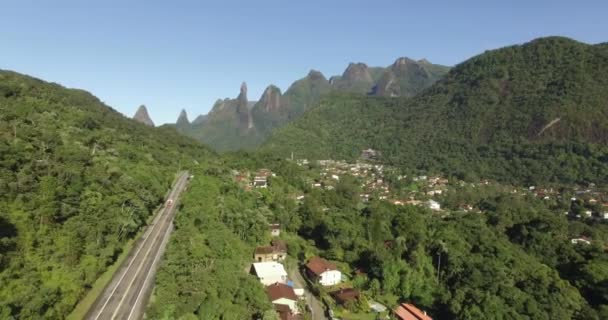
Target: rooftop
(319, 265)
(268, 269)
(278, 290)
(407, 311)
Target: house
(321, 270)
(260, 182)
(344, 296)
(269, 272)
(275, 252)
(284, 312)
(407, 311)
(275, 229)
(282, 294)
(433, 205)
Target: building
(407, 311)
(275, 252)
(344, 296)
(321, 270)
(275, 229)
(433, 205)
(282, 294)
(260, 182)
(284, 312)
(269, 272)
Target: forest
(526, 114)
(77, 182)
(513, 259)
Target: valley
(410, 191)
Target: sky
(173, 55)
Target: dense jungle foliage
(77, 180)
(532, 113)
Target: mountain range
(525, 113)
(235, 124)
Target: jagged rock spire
(141, 115)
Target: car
(169, 203)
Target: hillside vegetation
(529, 113)
(77, 180)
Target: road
(127, 294)
(316, 307)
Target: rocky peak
(271, 98)
(182, 120)
(142, 116)
(200, 119)
(315, 75)
(357, 72)
(243, 93)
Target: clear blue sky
(171, 55)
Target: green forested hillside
(77, 180)
(529, 113)
(204, 271)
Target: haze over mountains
(234, 124)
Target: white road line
(143, 244)
(135, 255)
(149, 273)
(141, 264)
(140, 267)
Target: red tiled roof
(407, 311)
(318, 265)
(278, 290)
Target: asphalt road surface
(127, 294)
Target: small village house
(269, 272)
(282, 294)
(275, 252)
(275, 229)
(284, 312)
(407, 311)
(321, 270)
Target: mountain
(182, 120)
(142, 116)
(228, 126)
(357, 77)
(77, 181)
(200, 119)
(247, 128)
(406, 78)
(528, 113)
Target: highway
(127, 294)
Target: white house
(433, 205)
(269, 272)
(282, 294)
(321, 270)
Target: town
(299, 287)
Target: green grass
(347, 315)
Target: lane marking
(141, 264)
(149, 272)
(143, 244)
